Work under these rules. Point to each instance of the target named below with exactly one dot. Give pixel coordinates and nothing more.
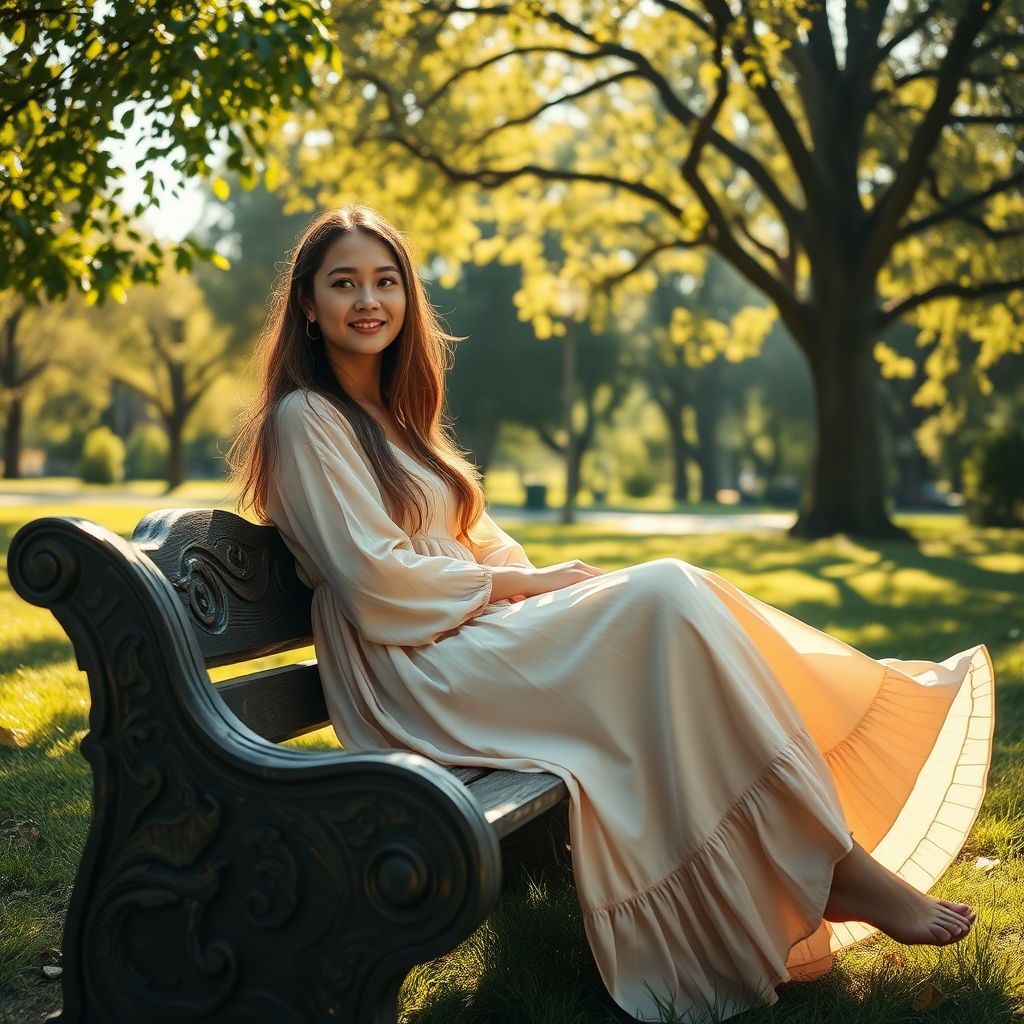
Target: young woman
(748, 794)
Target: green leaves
(73, 78)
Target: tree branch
(551, 104)
(787, 130)
(565, 51)
(789, 213)
(958, 208)
(908, 30)
(645, 257)
(549, 440)
(685, 12)
(780, 261)
(895, 308)
(490, 178)
(986, 119)
(883, 221)
(718, 230)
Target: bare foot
(863, 890)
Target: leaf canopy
(198, 79)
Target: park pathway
(653, 522)
(507, 515)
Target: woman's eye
(342, 282)
(388, 280)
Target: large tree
(171, 352)
(198, 80)
(855, 163)
(40, 347)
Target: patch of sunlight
(60, 748)
(848, 548)
(1006, 561)
(841, 570)
(937, 548)
(322, 739)
(901, 587)
(1010, 664)
(784, 587)
(862, 636)
(244, 668)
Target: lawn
(529, 963)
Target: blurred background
(671, 288)
(150, 389)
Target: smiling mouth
(366, 325)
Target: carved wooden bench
(225, 878)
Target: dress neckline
(408, 458)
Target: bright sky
(176, 215)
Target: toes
(955, 923)
(960, 909)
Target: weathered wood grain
(511, 799)
(279, 703)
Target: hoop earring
(319, 333)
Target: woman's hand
(515, 583)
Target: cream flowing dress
(718, 752)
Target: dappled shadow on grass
(49, 783)
(529, 963)
(34, 652)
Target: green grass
(529, 963)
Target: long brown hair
(412, 383)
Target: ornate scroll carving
(270, 905)
(206, 571)
(224, 879)
(47, 570)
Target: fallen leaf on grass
(986, 863)
(22, 835)
(928, 998)
(54, 957)
(13, 738)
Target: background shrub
(640, 480)
(102, 459)
(996, 481)
(147, 453)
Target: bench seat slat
(279, 703)
(511, 799)
(467, 776)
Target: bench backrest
(238, 585)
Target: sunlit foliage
(74, 77)
(855, 164)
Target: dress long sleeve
(327, 500)
(491, 545)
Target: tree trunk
(481, 453)
(706, 409)
(12, 440)
(672, 409)
(175, 454)
(845, 493)
(180, 406)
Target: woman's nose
(367, 300)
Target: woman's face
(358, 296)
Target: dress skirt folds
(719, 753)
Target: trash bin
(536, 496)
